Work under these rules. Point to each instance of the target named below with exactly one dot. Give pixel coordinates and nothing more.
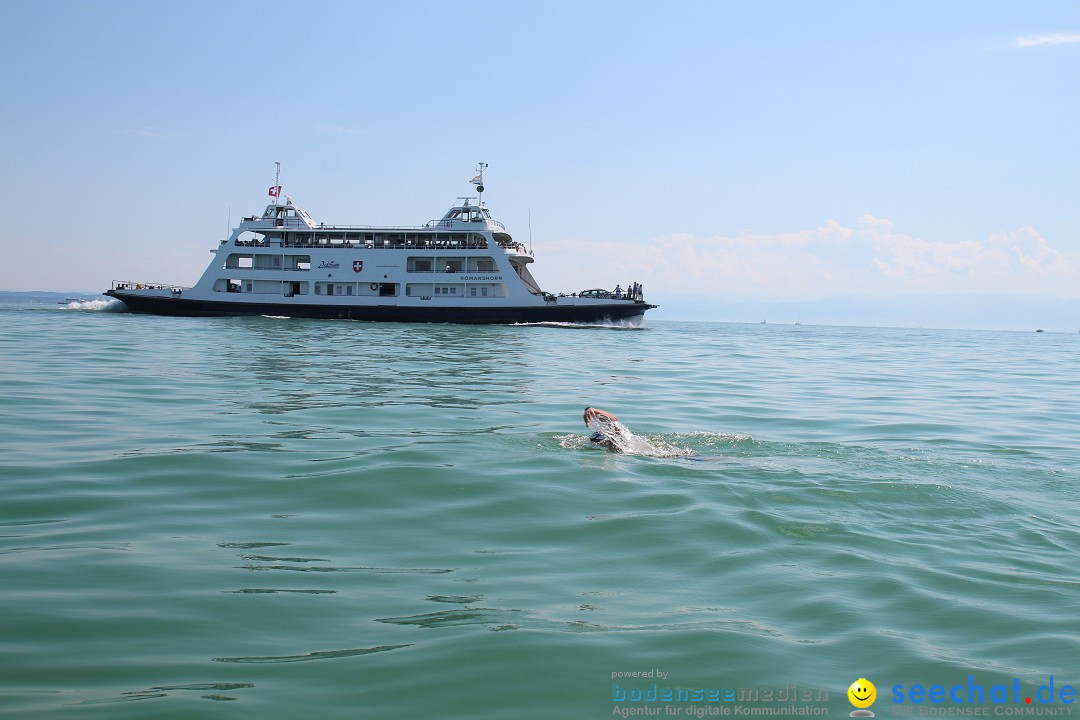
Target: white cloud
(830, 260)
(1049, 39)
(1019, 261)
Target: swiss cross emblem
(357, 265)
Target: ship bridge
(282, 215)
(467, 216)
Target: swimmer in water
(609, 433)
(595, 417)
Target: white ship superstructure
(463, 268)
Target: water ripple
(318, 655)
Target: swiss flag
(357, 265)
(274, 191)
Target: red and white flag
(274, 191)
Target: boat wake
(630, 324)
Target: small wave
(317, 655)
(274, 591)
(500, 619)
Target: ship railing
(451, 222)
(387, 245)
(267, 269)
(631, 296)
(260, 223)
(132, 285)
(516, 246)
(368, 228)
(255, 222)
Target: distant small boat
(1039, 330)
(69, 301)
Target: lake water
(274, 518)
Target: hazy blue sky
(760, 150)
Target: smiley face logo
(862, 693)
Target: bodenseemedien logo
(862, 695)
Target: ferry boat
(462, 268)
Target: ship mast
(479, 182)
(277, 184)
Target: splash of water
(624, 441)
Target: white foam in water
(109, 305)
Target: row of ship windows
(414, 290)
(360, 289)
(241, 261)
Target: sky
(720, 151)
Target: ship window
(236, 260)
(421, 264)
(483, 291)
(387, 289)
(472, 292)
(481, 264)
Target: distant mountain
(975, 312)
